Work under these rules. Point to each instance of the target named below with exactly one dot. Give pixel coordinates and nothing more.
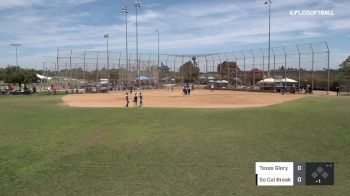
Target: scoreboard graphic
(294, 173)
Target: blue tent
(143, 78)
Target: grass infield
(47, 148)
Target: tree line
(189, 72)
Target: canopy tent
(221, 81)
(272, 80)
(288, 80)
(143, 78)
(43, 77)
(267, 81)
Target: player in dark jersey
(127, 100)
(135, 100)
(141, 100)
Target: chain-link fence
(300, 66)
(344, 87)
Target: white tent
(271, 80)
(43, 77)
(268, 81)
(221, 81)
(288, 80)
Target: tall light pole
(106, 36)
(16, 45)
(125, 10)
(137, 5)
(269, 2)
(157, 30)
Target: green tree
(345, 67)
(189, 71)
(1, 74)
(228, 68)
(15, 74)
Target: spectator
(141, 100)
(337, 90)
(135, 100)
(127, 99)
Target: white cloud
(78, 2)
(5, 4)
(188, 26)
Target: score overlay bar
(274, 173)
(294, 173)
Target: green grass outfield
(47, 148)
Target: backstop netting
(301, 65)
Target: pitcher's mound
(175, 99)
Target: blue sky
(189, 27)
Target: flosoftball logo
(312, 13)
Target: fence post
(139, 70)
(243, 68)
(65, 86)
(85, 69)
(263, 56)
(175, 69)
(228, 69)
(206, 67)
(328, 56)
(57, 67)
(312, 71)
(299, 79)
(149, 61)
(285, 66)
(97, 59)
(198, 66)
(76, 73)
(213, 64)
(166, 69)
(274, 63)
(236, 77)
(220, 67)
(130, 68)
(70, 66)
(119, 78)
(253, 69)
(182, 70)
(191, 70)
